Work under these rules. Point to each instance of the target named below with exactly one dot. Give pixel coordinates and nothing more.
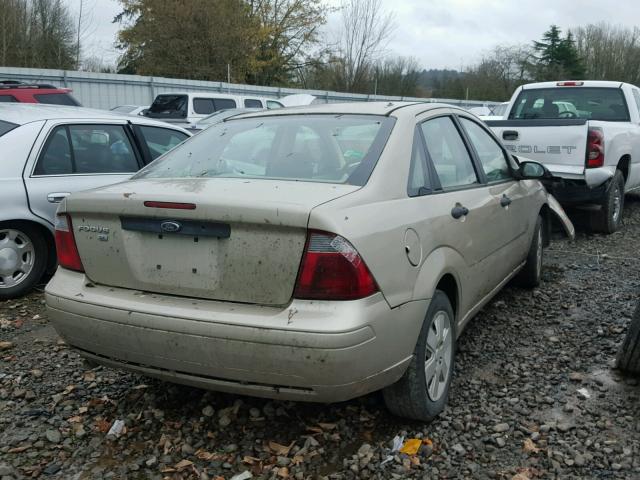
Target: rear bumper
(313, 351)
(581, 185)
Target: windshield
(316, 148)
(168, 106)
(571, 102)
(6, 127)
(57, 99)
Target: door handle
(57, 197)
(510, 135)
(459, 211)
(505, 201)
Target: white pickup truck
(587, 133)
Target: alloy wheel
(439, 355)
(17, 257)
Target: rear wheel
(423, 390)
(23, 259)
(531, 273)
(629, 354)
(608, 219)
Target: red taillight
(68, 256)
(332, 269)
(569, 84)
(172, 205)
(595, 147)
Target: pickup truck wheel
(23, 259)
(531, 273)
(610, 215)
(422, 392)
(629, 354)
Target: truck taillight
(332, 269)
(595, 147)
(569, 84)
(68, 256)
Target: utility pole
(78, 44)
(228, 78)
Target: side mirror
(533, 170)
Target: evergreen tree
(557, 58)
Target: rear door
(77, 156)
(460, 211)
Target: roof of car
(362, 108)
(21, 113)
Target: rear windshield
(8, 99)
(168, 106)
(6, 127)
(315, 148)
(571, 102)
(56, 99)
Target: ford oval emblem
(170, 226)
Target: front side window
(317, 148)
(56, 99)
(448, 153)
(489, 152)
(271, 104)
(87, 149)
(8, 99)
(160, 140)
(591, 103)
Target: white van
(189, 107)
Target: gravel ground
(534, 396)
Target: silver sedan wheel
(17, 257)
(439, 355)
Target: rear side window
(87, 149)
(8, 99)
(168, 106)
(316, 148)
(206, 106)
(448, 153)
(6, 127)
(590, 103)
(636, 96)
(418, 174)
(56, 99)
(161, 140)
(252, 103)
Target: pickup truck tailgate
(559, 144)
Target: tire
(415, 396)
(608, 218)
(629, 354)
(531, 274)
(23, 258)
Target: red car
(12, 91)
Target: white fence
(107, 90)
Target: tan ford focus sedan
(312, 254)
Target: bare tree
(609, 52)
(365, 32)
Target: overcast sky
(438, 33)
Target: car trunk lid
(241, 242)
